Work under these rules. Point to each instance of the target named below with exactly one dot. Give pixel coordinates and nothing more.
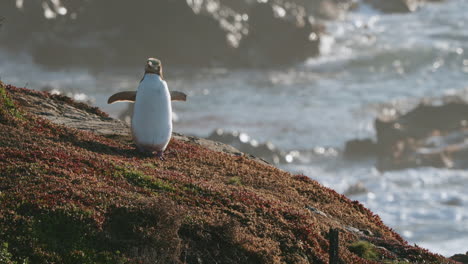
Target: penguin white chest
(152, 114)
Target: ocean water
(371, 63)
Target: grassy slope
(69, 196)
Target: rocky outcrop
(360, 148)
(398, 6)
(93, 35)
(183, 33)
(434, 134)
(461, 258)
(61, 110)
(273, 41)
(429, 135)
(322, 9)
(78, 193)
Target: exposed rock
(327, 9)
(433, 134)
(276, 41)
(203, 33)
(323, 9)
(92, 36)
(355, 189)
(398, 6)
(315, 211)
(429, 135)
(48, 106)
(360, 148)
(454, 201)
(461, 258)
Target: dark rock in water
(425, 119)
(329, 9)
(398, 6)
(93, 36)
(429, 135)
(275, 41)
(434, 134)
(356, 189)
(455, 201)
(87, 34)
(360, 148)
(394, 6)
(242, 142)
(322, 9)
(462, 258)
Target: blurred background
(365, 96)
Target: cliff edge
(73, 189)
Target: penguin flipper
(130, 96)
(178, 96)
(127, 96)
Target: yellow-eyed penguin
(152, 113)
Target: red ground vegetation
(70, 196)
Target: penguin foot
(160, 155)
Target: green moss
(193, 188)
(235, 181)
(150, 165)
(23, 170)
(140, 179)
(7, 104)
(364, 250)
(6, 257)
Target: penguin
(152, 112)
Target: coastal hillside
(73, 189)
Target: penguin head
(153, 66)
